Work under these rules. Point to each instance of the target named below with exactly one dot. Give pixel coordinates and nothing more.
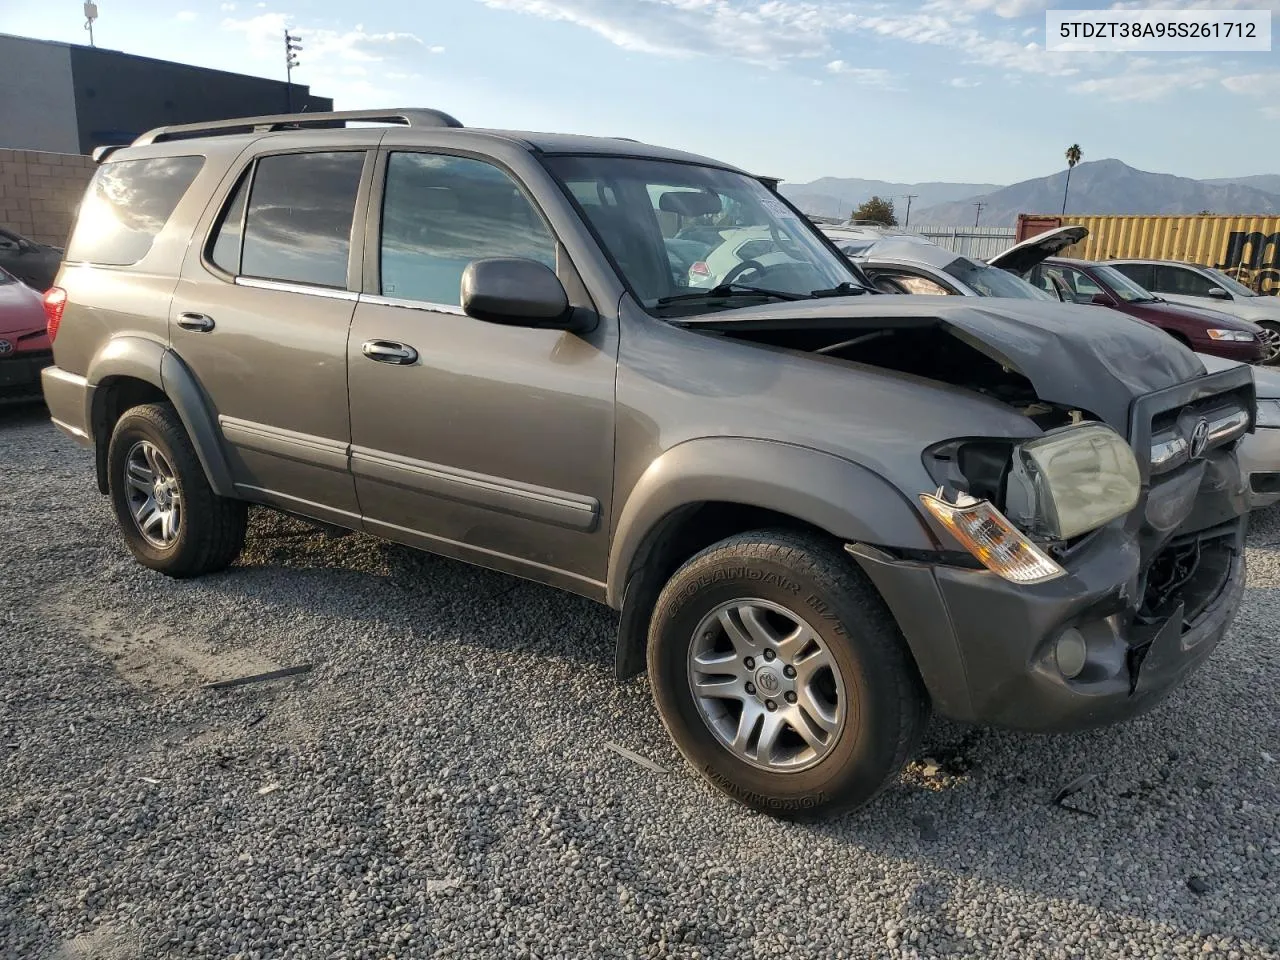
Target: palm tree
(1073, 157)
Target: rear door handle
(195, 321)
(389, 351)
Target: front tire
(1271, 342)
(169, 516)
(782, 677)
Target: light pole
(292, 44)
(90, 15)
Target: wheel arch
(701, 492)
(129, 371)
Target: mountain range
(1097, 187)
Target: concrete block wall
(39, 192)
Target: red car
(24, 342)
(1203, 330)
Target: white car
(1199, 286)
(1259, 451)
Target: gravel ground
(441, 785)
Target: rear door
(261, 316)
(487, 442)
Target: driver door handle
(195, 321)
(389, 351)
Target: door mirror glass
(515, 292)
(1219, 294)
(1102, 300)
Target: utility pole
(292, 44)
(90, 15)
(979, 204)
(906, 220)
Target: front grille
(20, 375)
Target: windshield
(1231, 284)
(989, 281)
(680, 230)
(1120, 285)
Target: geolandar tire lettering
(782, 677)
(169, 516)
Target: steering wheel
(745, 266)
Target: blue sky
(957, 90)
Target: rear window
(126, 206)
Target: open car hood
(1024, 256)
(1094, 360)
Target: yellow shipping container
(1247, 248)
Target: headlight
(1071, 480)
(1243, 335)
(1269, 413)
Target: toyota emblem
(768, 681)
(1199, 438)
(6, 348)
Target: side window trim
(356, 241)
(370, 286)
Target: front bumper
(1259, 456)
(986, 647)
(1251, 352)
(20, 375)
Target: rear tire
(864, 713)
(170, 517)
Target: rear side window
(440, 213)
(297, 227)
(127, 204)
(1187, 283)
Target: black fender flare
(846, 499)
(152, 362)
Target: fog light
(1071, 651)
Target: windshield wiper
(846, 289)
(725, 290)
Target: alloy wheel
(766, 684)
(155, 500)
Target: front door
(486, 442)
(261, 316)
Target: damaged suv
(821, 512)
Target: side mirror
(517, 293)
(1219, 294)
(1102, 300)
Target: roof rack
(296, 121)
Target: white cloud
(1001, 8)
(866, 76)
(436, 49)
(1254, 84)
(963, 83)
(227, 7)
(264, 31)
(185, 16)
(1144, 86)
(768, 32)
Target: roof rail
(413, 117)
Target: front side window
(1230, 284)
(677, 231)
(1143, 274)
(1182, 282)
(1074, 283)
(440, 212)
(125, 207)
(1121, 286)
(298, 224)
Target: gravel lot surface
(441, 785)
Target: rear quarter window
(125, 207)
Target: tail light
(700, 269)
(55, 301)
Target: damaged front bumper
(988, 649)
